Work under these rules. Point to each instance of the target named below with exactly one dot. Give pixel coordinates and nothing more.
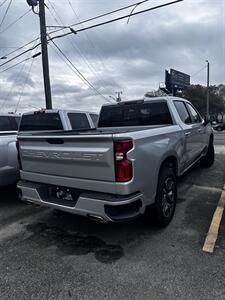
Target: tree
(196, 94)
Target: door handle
(199, 130)
(187, 133)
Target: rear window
(8, 123)
(135, 114)
(78, 121)
(41, 122)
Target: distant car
(219, 126)
(9, 169)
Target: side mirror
(206, 121)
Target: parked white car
(38, 121)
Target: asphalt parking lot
(46, 255)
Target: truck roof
(147, 99)
(60, 110)
(9, 115)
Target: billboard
(176, 80)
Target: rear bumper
(98, 206)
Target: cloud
(23, 78)
(129, 57)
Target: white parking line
(219, 149)
(212, 235)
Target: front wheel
(166, 197)
(208, 160)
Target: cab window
(195, 117)
(182, 112)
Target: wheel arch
(171, 162)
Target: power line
(88, 38)
(14, 22)
(193, 75)
(13, 83)
(102, 15)
(75, 47)
(6, 12)
(19, 48)
(20, 62)
(79, 23)
(21, 94)
(93, 26)
(25, 82)
(84, 78)
(115, 19)
(3, 3)
(75, 70)
(24, 52)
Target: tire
(219, 128)
(162, 211)
(208, 160)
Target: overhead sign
(176, 80)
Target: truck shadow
(9, 197)
(75, 235)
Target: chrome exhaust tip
(96, 218)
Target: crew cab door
(190, 130)
(199, 131)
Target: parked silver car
(9, 170)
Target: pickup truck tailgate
(85, 157)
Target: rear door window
(41, 122)
(182, 112)
(78, 121)
(8, 123)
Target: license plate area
(60, 195)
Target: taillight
(123, 166)
(18, 154)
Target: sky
(123, 56)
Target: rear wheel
(219, 128)
(208, 160)
(162, 211)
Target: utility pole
(44, 50)
(207, 91)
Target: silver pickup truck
(9, 170)
(125, 168)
